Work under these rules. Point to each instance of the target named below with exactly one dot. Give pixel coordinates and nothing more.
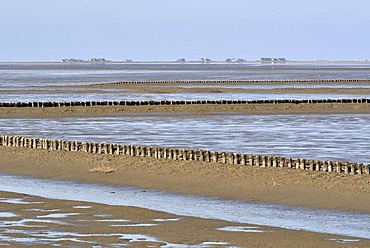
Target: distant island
(92, 60)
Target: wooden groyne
(185, 154)
(309, 81)
(175, 102)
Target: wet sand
(72, 223)
(201, 109)
(267, 185)
(139, 89)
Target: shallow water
(41, 77)
(325, 137)
(323, 221)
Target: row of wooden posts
(184, 154)
(239, 81)
(179, 102)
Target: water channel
(323, 221)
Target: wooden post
(214, 157)
(281, 162)
(257, 161)
(274, 162)
(250, 160)
(353, 168)
(330, 166)
(175, 154)
(243, 159)
(338, 167)
(310, 165)
(289, 162)
(230, 158)
(346, 168)
(207, 156)
(366, 169)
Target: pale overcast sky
(49, 30)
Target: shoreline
(322, 190)
(138, 227)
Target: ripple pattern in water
(325, 137)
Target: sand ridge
(269, 185)
(202, 109)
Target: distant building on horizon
(234, 60)
(273, 60)
(206, 60)
(92, 60)
(72, 60)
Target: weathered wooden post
(337, 167)
(207, 156)
(22, 142)
(156, 153)
(303, 164)
(310, 165)
(243, 159)
(222, 158)
(359, 168)
(99, 148)
(366, 169)
(330, 166)
(175, 154)
(288, 162)
(297, 163)
(110, 149)
(353, 168)
(214, 157)
(274, 162)
(325, 166)
(170, 153)
(229, 158)
(190, 155)
(262, 161)
(346, 168)
(281, 162)
(250, 159)
(237, 158)
(2, 140)
(84, 147)
(257, 161)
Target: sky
(166, 30)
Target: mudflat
(81, 224)
(318, 190)
(263, 185)
(331, 191)
(199, 109)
